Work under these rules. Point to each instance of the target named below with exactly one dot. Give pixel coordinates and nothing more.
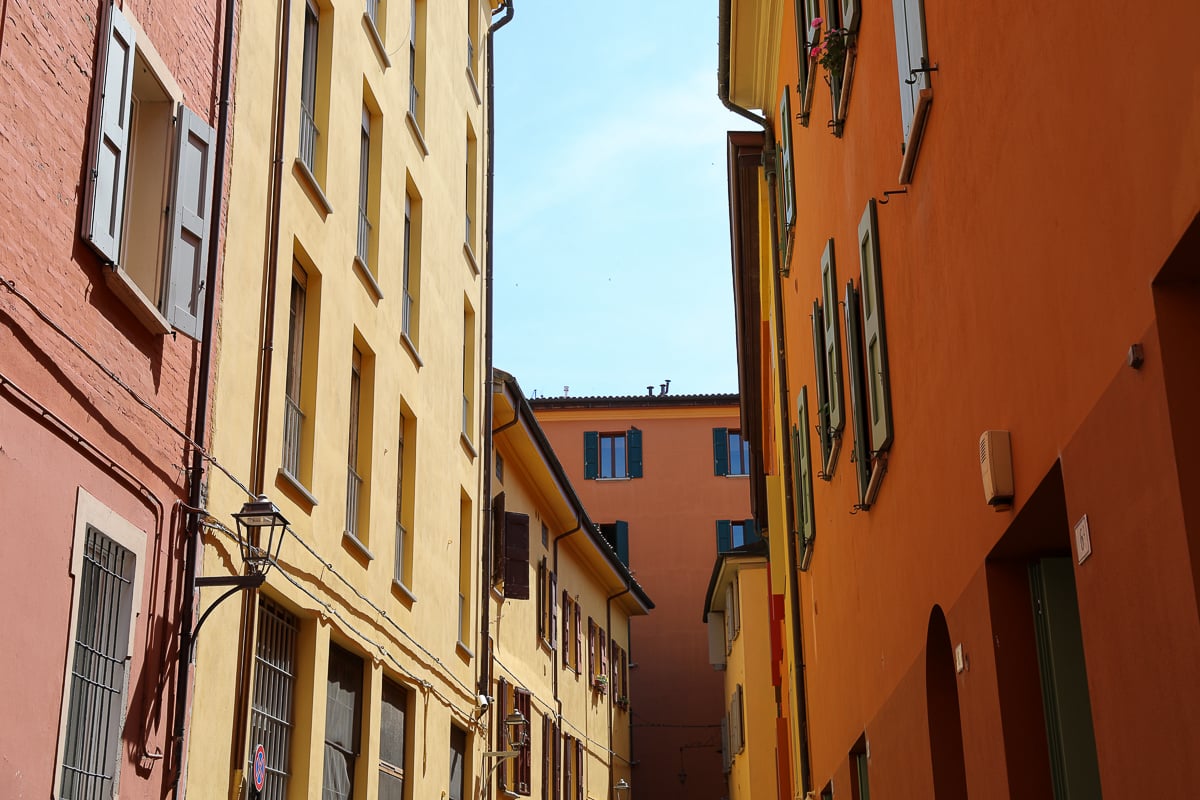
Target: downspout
(611, 689)
(483, 682)
(781, 361)
(200, 429)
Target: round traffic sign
(260, 767)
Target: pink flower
(817, 22)
(815, 51)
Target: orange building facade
(966, 255)
(663, 476)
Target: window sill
(474, 86)
(913, 146)
(368, 279)
(464, 651)
(412, 349)
(610, 480)
(471, 262)
(314, 190)
(131, 295)
(290, 482)
(377, 40)
(353, 544)
(415, 128)
(404, 592)
(737, 475)
(465, 441)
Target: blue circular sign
(260, 767)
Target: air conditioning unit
(995, 462)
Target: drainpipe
(484, 680)
(723, 44)
(200, 428)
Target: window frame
(275, 651)
(355, 751)
(397, 771)
(912, 48)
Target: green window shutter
(822, 382)
(720, 451)
(858, 393)
(751, 531)
(622, 529)
(591, 455)
(805, 521)
(832, 347)
(108, 154)
(879, 389)
(191, 214)
(633, 444)
(724, 538)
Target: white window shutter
(191, 215)
(909, 21)
(104, 198)
(850, 14)
(833, 350)
(879, 393)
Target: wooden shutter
(556, 758)
(750, 529)
(566, 628)
(803, 480)
(542, 611)
(579, 769)
(633, 446)
(822, 381)
(498, 522)
(502, 711)
(108, 155)
(908, 17)
(720, 451)
(523, 768)
(602, 643)
(591, 649)
(516, 556)
(591, 455)
(724, 537)
(858, 393)
(552, 602)
(547, 755)
(191, 216)
(832, 345)
(879, 391)
(622, 545)
(578, 635)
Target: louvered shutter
(622, 545)
(591, 650)
(751, 531)
(579, 769)
(787, 179)
(556, 757)
(822, 380)
(633, 440)
(498, 522)
(803, 479)
(502, 711)
(542, 610)
(516, 556)
(602, 643)
(578, 635)
(566, 628)
(547, 755)
(552, 602)
(108, 157)
(591, 454)
(724, 537)
(879, 390)
(858, 394)
(191, 216)
(801, 51)
(720, 451)
(908, 17)
(832, 344)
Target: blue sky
(612, 262)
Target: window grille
(293, 417)
(99, 670)
(271, 714)
(308, 89)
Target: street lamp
(259, 518)
(516, 728)
(622, 789)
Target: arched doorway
(941, 699)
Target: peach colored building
(663, 475)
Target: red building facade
(108, 118)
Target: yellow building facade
(561, 657)
(349, 392)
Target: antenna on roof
(566, 391)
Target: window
(370, 156)
(500, 478)
(827, 341)
(474, 46)
(358, 450)
(314, 98)
(375, 17)
(807, 72)
(572, 758)
(737, 731)
(412, 267)
(472, 191)
(468, 366)
(617, 536)
(916, 92)
(858, 395)
(735, 533)
(343, 718)
(458, 769)
(619, 678)
(731, 452)
(405, 488)
(726, 756)
(293, 415)
(732, 615)
(572, 636)
(464, 571)
(549, 757)
(802, 476)
(546, 593)
(839, 27)
(106, 583)
(786, 180)
(878, 375)
(514, 539)
(393, 738)
(860, 784)
(148, 201)
(416, 66)
(272, 712)
(597, 657)
(522, 765)
(612, 455)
